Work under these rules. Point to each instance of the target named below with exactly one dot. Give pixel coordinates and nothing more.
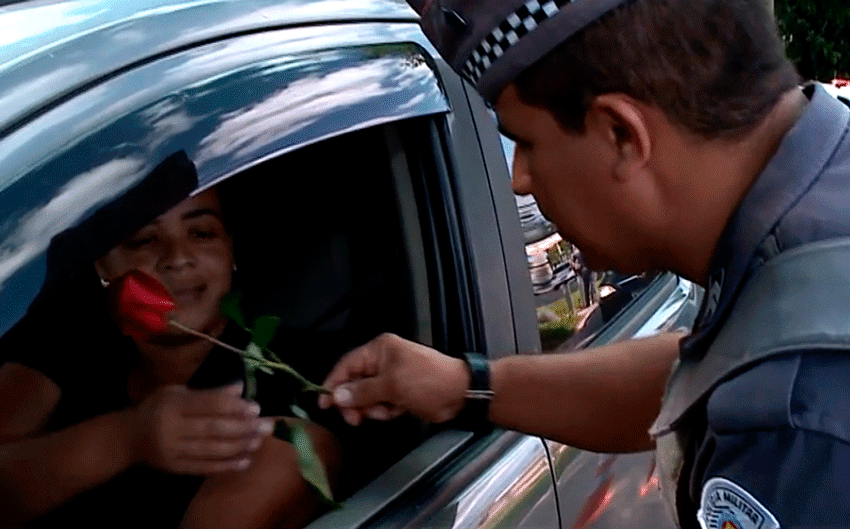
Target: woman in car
(110, 432)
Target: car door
(351, 150)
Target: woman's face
(189, 251)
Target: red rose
(141, 304)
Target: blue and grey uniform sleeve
(777, 449)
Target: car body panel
(476, 166)
(614, 491)
(520, 295)
(505, 479)
(52, 50)
(389, 490)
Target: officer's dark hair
(714, 67)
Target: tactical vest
(772, 316)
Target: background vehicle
(343, 139)
(549, 255)
(839, 88)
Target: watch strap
(478, 396)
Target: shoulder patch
(726, 505)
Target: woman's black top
(93, 382)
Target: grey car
(371, 194)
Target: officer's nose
(520, 179)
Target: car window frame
(57, 133)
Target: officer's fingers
(357, 363)
(325, 401)
(352, 417)
(382, 412)
(375, 360)
(365, 393)
(338, 375)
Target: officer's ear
(622, 123)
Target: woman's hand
(271, 493)
(198, 432)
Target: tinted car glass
(573, 303)
(223, 122)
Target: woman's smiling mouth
(188, 295)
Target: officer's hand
(198, 432)
(390, 376)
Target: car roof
(50, 49)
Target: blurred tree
(817, 36)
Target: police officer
(664, 134)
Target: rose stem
(309, 386)
(207, 337)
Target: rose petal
(141, 304)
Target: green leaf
(300, 412)
(271, 356)
(256, 365)
(253, 352)
(311, 466)
(230, 303)
(250, 382)
(264, 329)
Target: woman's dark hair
(714, 67)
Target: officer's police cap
(490, 42)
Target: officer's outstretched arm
(601, 399)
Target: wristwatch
(473, 416)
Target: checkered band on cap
(516, 26)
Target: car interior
(319, 243)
